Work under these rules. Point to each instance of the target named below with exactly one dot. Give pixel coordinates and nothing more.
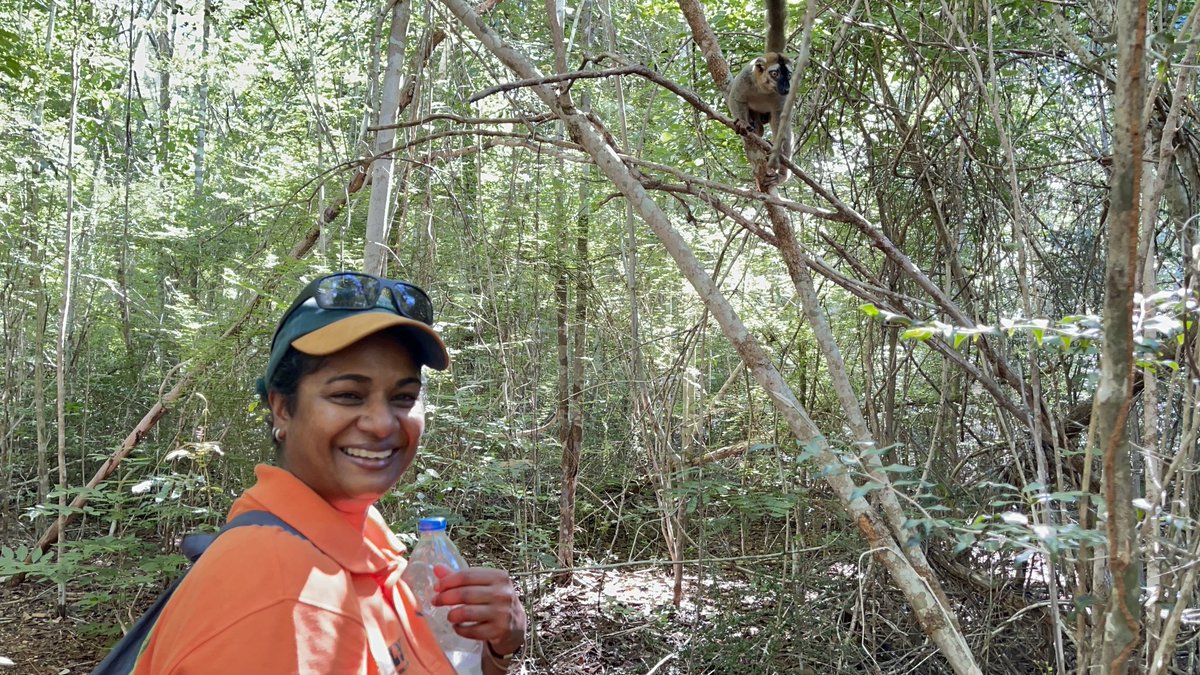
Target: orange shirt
(263, 601)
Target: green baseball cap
(321, 332)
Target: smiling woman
(343, 384)
(353, 426)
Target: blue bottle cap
(431, 524)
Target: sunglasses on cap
(358, 290)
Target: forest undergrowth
(826, 608)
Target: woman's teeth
(369, 454)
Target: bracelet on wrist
(505, 660)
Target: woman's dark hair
(286, 381)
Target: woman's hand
(487, 604)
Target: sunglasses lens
(411, 302)
(347, 291)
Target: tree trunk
(1121, 626)
(64, 324)
(164, 41)
(202, 103)
(126, 183)
(570, 467)
(38, 348)
(39, 390)
(375, 253)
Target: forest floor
(34, 639)
(613, 621)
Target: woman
(344, 389)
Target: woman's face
(356, 424)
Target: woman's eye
(346, 397)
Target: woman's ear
(280, 416)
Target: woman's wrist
(500, 662)
(501, 652)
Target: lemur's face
(775, 73)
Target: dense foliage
(200, 158)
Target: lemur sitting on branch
(757, 93)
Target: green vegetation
(194, 161)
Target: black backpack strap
(124, 655)
(196, 543)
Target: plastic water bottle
(435, 548)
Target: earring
(277, 434)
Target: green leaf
(865, 489)
(920, 333)
(831, 470)
(897, 468)
(9, 65)
(965, 541)
(811, 451)
(1068, 496)
(869, 309)
(1014, 518)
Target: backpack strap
(124, 655)
(195, 543)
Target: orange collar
(360, 542)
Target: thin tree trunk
(165, 42)
(64, 325)
(1160, 579)
(642, 412)
(371, 103)
(574, 449)
(127, 182)
(706, 39)
(39, 389)
(1122, 626)
(202, 103)
(40, 109)
(894, 513)
(39, 350)
(375, 253)
(566, 500)
(8, 392)
(555, 10)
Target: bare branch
(449, 117)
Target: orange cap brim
(345, 332)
